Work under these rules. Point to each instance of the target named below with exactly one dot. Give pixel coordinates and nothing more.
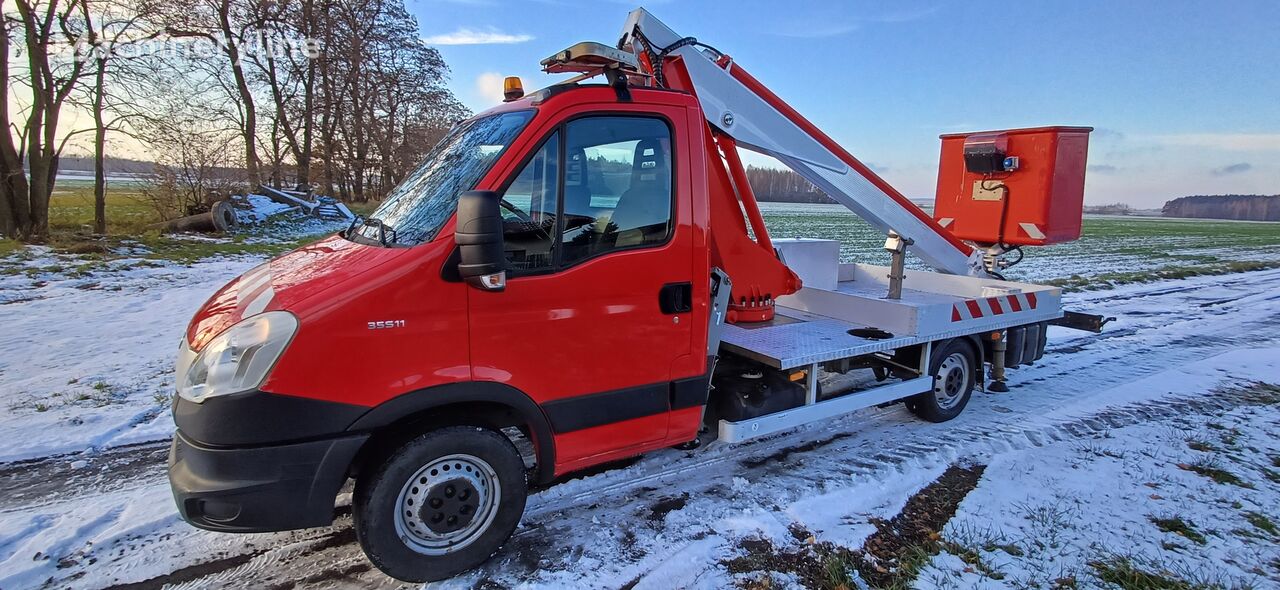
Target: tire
(419, 522)
(954, 369)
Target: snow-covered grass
(1190, 502)
(86, 356)
(86, 352)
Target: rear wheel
(954, 376)
(441, 504)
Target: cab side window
(617, 188)
(613, 192)
(529, 211)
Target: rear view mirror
(482, 261)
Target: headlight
(236, 360)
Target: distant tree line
(341, 95)
(783, 186)
(1112, 209)
(112, 165)
(1242, 207)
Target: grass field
(1113, 250)
(132, 228)
(71, 209)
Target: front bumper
(256, 489)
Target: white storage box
(817, 262)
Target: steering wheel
(521, 215)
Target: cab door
(597, 305)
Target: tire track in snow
(35, 484)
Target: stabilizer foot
(997, 387)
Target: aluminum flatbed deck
(813, 325)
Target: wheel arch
(473, 403)
(979, 354)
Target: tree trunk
(251, 162)
(15, 210)
(49, 90)
(99, 151)
(308, 115)
(38, 187)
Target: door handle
(675, 298)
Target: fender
(979, 349)
(470, 392)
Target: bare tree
(194, 159)
(49, 28)
(381, 89)
(110, 26)
(289, 76)
(230, 25)
(15, 206)
(352, 112)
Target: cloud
(1103, 169)
(817, 31)
(488, 88)
(1232, 169)
(465, 36)
(1234, 142)
(815, 26)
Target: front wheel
(441, 504)
(954, 376)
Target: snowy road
(103, 516)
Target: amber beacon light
(512, 88)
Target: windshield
(416, 208)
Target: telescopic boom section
(741, 110)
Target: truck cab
(322, 364)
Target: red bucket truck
(584, 269)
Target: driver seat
(644, 209)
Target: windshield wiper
(383, 228)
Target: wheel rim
(952, 380)
(447, 504)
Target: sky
(1184, 96)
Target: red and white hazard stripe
(970, 309)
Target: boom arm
(740, 107)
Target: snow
(844, 516)
(1067, 505)
(86, 378)
(261, 207)
(87, 362)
